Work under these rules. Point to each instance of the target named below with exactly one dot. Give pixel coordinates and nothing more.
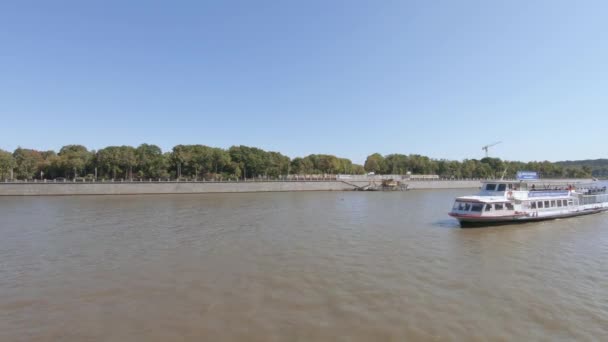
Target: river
(300, 266)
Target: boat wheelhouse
(501, 202)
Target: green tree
(586, 170)
(74, 159)
(51, 165)
(108, 159)
(422, 165)
(202, 159)
(150, 161)
(375, 163)
(236, 170)
(346, 166)
(469, 168)
(253, 161)
(7, 164)
(328, 164)
(358, 169)
(302, 166)
(484, 171)
(278, 164)
(27, 163)
(495, 165)
(397, 164)
(221, 160)
(453, 169)
(181, 158)
(128, 160)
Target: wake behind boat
(503, 202)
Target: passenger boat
(503, 202)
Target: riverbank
(141, 188)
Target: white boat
(503, 202)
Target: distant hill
(599, 167)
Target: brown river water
(307, 266)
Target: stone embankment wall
(136, 188)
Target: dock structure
(384, 185)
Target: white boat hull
(478, 220)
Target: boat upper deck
(502, 190)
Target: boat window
(510, 186)
(467, 206)
(476, 207)
(565, 203)
(498, 206)
(502, 187)
(553, 204)
(533, 205)
(490, 187)
(540, 205)
(509, 206)
(547, 204)
(559, 203)
(488, 207)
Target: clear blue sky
(438, 78)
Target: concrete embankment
(141, 188)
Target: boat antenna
(504, 173)
(485, 148)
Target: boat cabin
(463, 206)
(499, 188)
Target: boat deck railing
(592, 199)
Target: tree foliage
(323, 164)
(150, 161)
(73, 160)
(7, 164)
(28, 163)
(237, 162)
(376, 163)
(597, 167)
(469, 168)
(254, 162)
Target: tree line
(238, 162)
(150, 162)
(469, 168)
(599, 167)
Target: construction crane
(485, 148)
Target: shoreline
(152, 188)
(160, 188)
